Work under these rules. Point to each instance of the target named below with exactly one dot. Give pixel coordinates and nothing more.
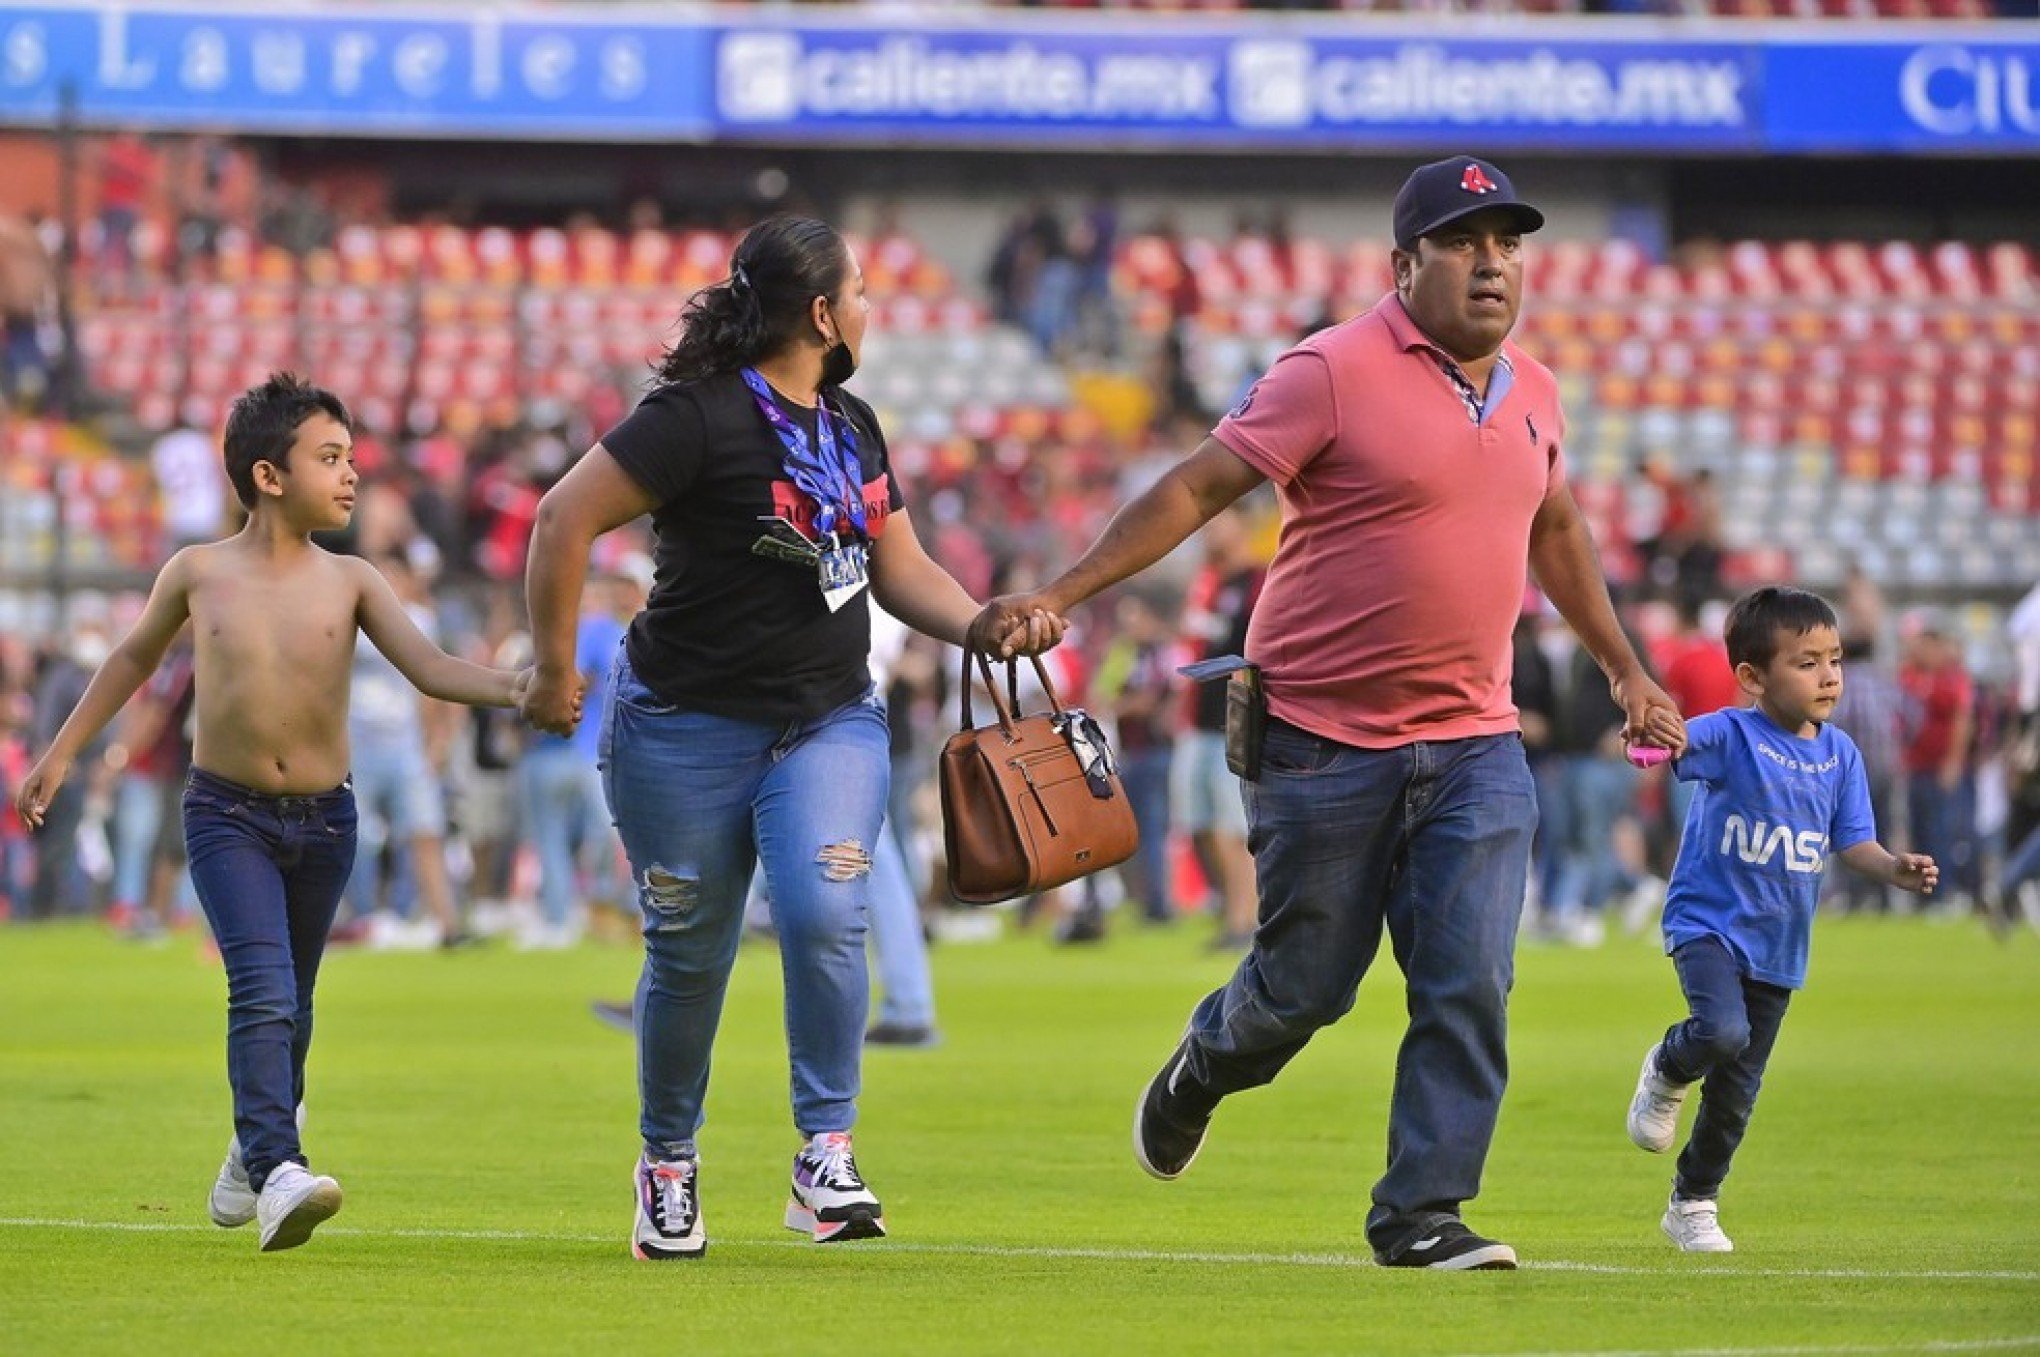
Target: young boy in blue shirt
(1779, 789)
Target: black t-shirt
(728, 631)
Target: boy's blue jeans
(1431, 840)
(699, 800)
(1726, 1043)
(269, 871)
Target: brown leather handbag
(1030, 802)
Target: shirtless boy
(269, 817)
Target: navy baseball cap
(1440, 193)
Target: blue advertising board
(1006, 77)
(1260, 87)
(496, 72)
(1962, 92)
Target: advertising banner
(1013, 78)
(496, 72)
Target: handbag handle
(1007, 713)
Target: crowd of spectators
(1005, 500)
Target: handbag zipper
(1027, 776)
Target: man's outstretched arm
(1151, 527)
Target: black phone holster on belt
(1246, 710)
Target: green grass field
(483, 1125)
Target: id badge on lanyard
(845, 570)
(827, 473)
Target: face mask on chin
(838, 365)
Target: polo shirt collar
(1409, 338)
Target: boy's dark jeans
(1726, 1043)
(269, 872)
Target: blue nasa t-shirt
(1769, 809)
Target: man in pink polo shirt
(1416, 454)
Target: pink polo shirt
(1405, 532)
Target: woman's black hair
(778, 268)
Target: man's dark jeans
(1724, 1047)
(1431, 840)
(269, 871)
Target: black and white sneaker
(1171, 1118)
(1449, 1247)
(668, 1219)
(830, 1200)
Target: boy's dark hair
(1761, 616)
(264, 423)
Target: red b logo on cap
(1475, 180)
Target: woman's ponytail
(779, 267)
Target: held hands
(1015, 624)
(1915, 872)
(1649, 716)
(37, 789)
(549, 702)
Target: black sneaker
(1170, 1120)
(1450, 1247)
(901, 1034)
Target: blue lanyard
(825, 473)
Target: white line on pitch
(1330, 1260)
(1811, 1350)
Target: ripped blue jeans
(699, 800)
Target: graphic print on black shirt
(728, 631)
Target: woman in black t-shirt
(740, 726)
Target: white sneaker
(668, 1218)
(294, 1202)
(232, 1203)
(1654, 1111)
(1695, 1227)
(830, 1200)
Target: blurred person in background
(17, 853)
(905, 1013)
(61, 885)
(1204, 795)
(151, 759)
(1940, 728)
(1872, 710)
(1693, 663)
(1533, 686)
(1137, 688)
(399, 746)
(1599, 789)
(741, 725)
(482, 775)
(561, 783)
(914, 710)
(1416, 455)
(191, 484)
(2016, 892)
(27, 282)
(128, 177)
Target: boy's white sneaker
(293, 1203)
(1695, 1226)
(1654, 1111)
(232, 1202)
